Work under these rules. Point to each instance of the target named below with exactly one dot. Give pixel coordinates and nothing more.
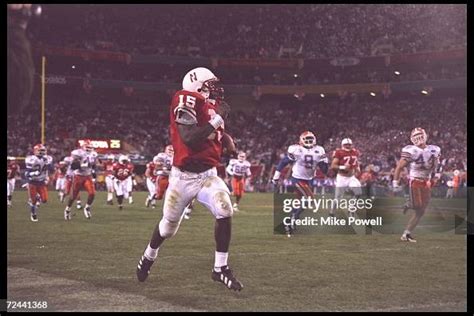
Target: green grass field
(89, 265)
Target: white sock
(406, 232)
(67, 209)
(87, 205)
(151, 253)
(109, 196)
(220, 260)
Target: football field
(89, 265)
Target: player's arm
(402, 163)
(194, 135)
(229, 169)
(248, 172)
(75, 162)
(323, 163)
(32, 169)
(289, 158)
(335, 163)
(148, 172)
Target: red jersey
(60, 172)
(121, 171)
(344, 157)
(151, 169)
(209, 152)
(12, 170)
(108, 167)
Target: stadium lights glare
(73, 67)
(322, 95)
(424, 92)
(295, 75)
(397, 72)
(372, 94)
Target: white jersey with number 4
(305, 160)
(87, 161)
(239, 168)
(422, 161)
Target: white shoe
(34, 218)
(67, 215)
(408, 238)
(78, 206)
(130, 200)
(87, 212)
(186, 216)
(236, 207)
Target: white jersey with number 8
(305, 160)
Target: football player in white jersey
(422, 161)
(37, 171)
(238, 169)
(83, 163)
(306, 157)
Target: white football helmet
(307, 139)
(418, 136)
(456, 172)
(156, 160)
(242, 156)
(346, 144)
(123, 159)
(111, 157)
(204, 82)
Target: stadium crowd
(379, 129)
(312, 31)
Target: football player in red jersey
(108, 167)
(151, 176)
(13, 171)
(122, 172)
(196, 129)
(346, 162)
(60, 178)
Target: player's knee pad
(167, 228)
(222, 204)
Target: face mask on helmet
(418, 137)
(123, 160)
(307, 140)
(39, 150)
(213, 90)
(203, 81)
(87, 146)
(346, 144)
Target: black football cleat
(226, 277)
(143, 268)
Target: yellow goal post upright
(43, 92)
